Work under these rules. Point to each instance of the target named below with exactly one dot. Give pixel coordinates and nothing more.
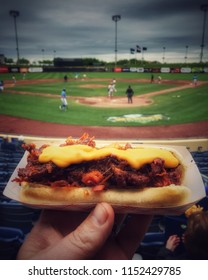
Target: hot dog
(79, 172)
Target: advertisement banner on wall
(165, 70)
(175, 70)
(117, 69)
(125, 70)
(4, 69)
(185, 70)
(147, 70)
(35, 69)
(140, 70)
(155, 70)
(14, 70)
(23, 70)
(133, 69)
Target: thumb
(89, 237)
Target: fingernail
(100, 214)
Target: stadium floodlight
(15, 14)
(204, 9)
(186, 54)
(43, 57)
(164, 48)
(116, 18)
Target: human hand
(172, 242)
(74, 235)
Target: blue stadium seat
(18, 216)
(7, 146)
(153, 239)
(10, 241)
(3, 198)
(151, 244)
(5, 175)
(201, 159)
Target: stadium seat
(12, 145)
(18, 216)
(153, 239)
(10, 241)
(7, 146)
(151, 244)
(204, 203)
(174, 225)
(5, 175)
(201, 159)
(3, 198)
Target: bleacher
(17, 220)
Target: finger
(50, 229)
(62, 221)
(173, 237)
(132, 233)
(88, 238)
(118, 223)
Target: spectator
(195, 240)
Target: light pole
(164, 54)
(15, 14)
(204, 9)
(116, 18)
(43, 57)
(186, 54)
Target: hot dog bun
(167, 196)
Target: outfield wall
(12, 69)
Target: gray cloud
(84, 28)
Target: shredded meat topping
(98, 174)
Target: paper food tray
(192, 180)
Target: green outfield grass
(97, 88)
(109, 75)
(189, 105)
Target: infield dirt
(21, 126)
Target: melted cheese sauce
(136, 157)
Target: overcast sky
(84, 28)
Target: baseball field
(174, 100)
